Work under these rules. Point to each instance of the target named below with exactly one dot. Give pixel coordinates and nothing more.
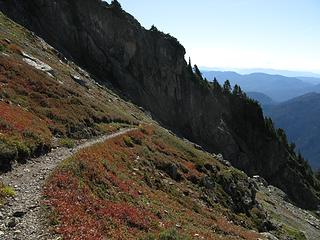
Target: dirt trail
(21, 218)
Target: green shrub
(149, 237)
(23, 150)
(8, 151)
(137, 141)
(66, 142)
(172, 235)
(8, 191)
(5, 192)
(128, 141)
(2, 48)
(167, 235)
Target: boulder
(171, 169)
(269, 236)
(37, 64)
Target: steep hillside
(117, 190)
(140, 183)
(300, 118)
(59, 100)
(148, 66)
(144, 183)
(279, 88)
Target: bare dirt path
(21, 218)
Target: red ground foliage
(82, 215)
(58, 99)
(14, 118)
(87, 197)
(101, 193)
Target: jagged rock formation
(149, 67)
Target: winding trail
(21, 218)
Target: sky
(277, 34)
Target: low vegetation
(36, 105)
(293, 233)
(134, 186)
(5, 192)
(167, 235)
(22, 134)
(66, 142)
(117, 190)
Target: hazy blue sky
(279, 34)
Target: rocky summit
(195, 161)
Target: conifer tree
(216, 85)
(241, 93)
(189, 67)
(236, 90)
(227, 87)
(116, 4)
(154, 28)
(197, 72)
(282, 136)
(317, 174)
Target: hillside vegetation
(140, 185)
(149, 183)
(167, 169)
(149, 68)
(299, 117)
(37, 105)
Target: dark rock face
(149, 67)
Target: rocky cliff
(148, 67)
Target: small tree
(317, 174)
(216, 85)
(236, 90)
(292, 147)
(270, 126)
(300, 159)
(197, 72)
(227, 87)
(116, 4)
(189, 67)
(154, 28)
(282, 136)
(241, 93)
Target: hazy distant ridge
(279, 88)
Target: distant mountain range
(286, 73)
(300, 118)
(312, 80)
(263, 99)
(293, 103)
(277, 87)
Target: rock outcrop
(148, 66)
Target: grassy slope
(36, 106)
(122, 189)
